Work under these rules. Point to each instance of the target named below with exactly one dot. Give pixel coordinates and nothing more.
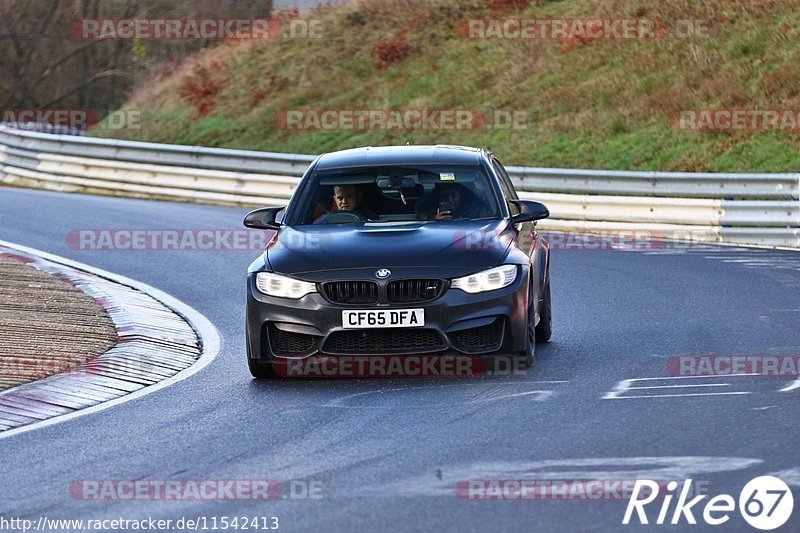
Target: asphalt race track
(389, 452)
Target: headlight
(488, 280)
(283, 286)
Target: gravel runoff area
(47, 325)
(83, 337)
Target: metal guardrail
(158, 154)
(740, 208)
(44, 127)
(663, 184)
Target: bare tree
(43, 64)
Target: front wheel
(544, 327)
(525, 358)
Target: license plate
(384, 318)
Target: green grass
(599, 104)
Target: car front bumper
(455, 323)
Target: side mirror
(529, 211)
(264, 218)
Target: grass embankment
(588, 104)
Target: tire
(261, 370)
(544, 328)
(523, 359)
(506, 361)
(527, 356)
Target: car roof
(401, 155)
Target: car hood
(448, 248)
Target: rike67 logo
(765, 503)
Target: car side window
(505, 184)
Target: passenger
(452, 201)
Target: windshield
(382, 195)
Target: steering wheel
(341, 217)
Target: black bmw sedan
(399, 251)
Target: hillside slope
(610, 103)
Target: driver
(347, 197)
(351, 198)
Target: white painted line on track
(472, 388)
(676, 395)
(790, 476)
(205, 329)
(791, 386)
(694, 377)
(542, 395)
(594, 468)
(619, 390)
(682, 386)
